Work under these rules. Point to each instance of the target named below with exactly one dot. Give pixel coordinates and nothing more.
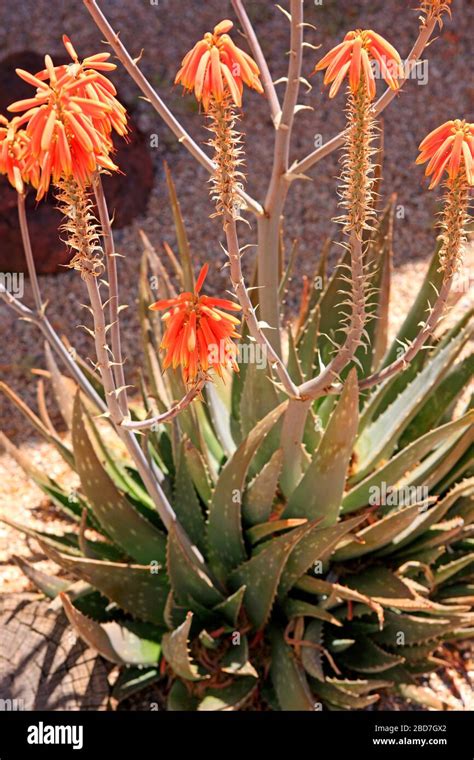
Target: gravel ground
(165, 30)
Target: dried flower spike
(216, 68)
(434, 9)
(353, 57)
(449, 148)
(198, 335)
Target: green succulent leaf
(399, 465)
(311, 654)
(224, 534)
(230, 698)
(260, 493)
(136, 589)
(117, 515)
(236, 660)
(366, 657)
(288, 677)
(316, 546)
(342, 699)
(189, 581)
(199, 472)
(123, 644)
(186, 504)
(132, 680)
(230, 607)
(296, 608)
(378, 440)
(261, 575)
(185, 271)
(447, 570)
(259, 398)
(414, 630)
(444, 395)
(376, 536)
(180, 700)
(49, 585)
(176, 652)
(319, 493)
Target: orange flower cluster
(449, 148)
(198, 335)
(216, 68)
(68, 122)
(353, 57)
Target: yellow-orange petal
(383, 46)
(223, 26)
(338, 80)
(217, 85)
(355, 67)
(368, 74)
(329, 57)
(438, 134)
(201, 74)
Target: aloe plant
(295, 534)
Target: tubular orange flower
(92, 90)
(449, 148)
(198, 335)
(15, 159)
(353, 57)
(216, 68)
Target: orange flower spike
(198, 334)
(216, 68)
(353, 56)
(449, 148)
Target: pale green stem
(269, 225)
(292, 433)
(259, 58)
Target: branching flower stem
(150, 93)
(112, 278)
(171, 413)
(238, 284)
(265, 76)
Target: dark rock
(127, 196)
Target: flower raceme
(353, 58)
(449, 148)
(70, 118)
(198, 335)
(216, 68)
